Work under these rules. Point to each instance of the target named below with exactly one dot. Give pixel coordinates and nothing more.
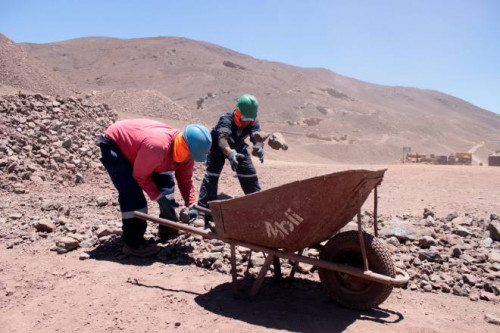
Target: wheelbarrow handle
(203, 210)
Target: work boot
(166, 233)
(143, 250)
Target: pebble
(492, 319)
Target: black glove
(234, 158)
(167, 208)
(259, 152)
(189, 214)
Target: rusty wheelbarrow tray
(354, 267)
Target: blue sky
(448, 45)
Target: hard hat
(199, 140)
(248, 106)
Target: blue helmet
(199, 140)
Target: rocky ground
(60, 228)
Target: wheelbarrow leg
(277, 268)
(233, 268)
(247, 273)
(294, 267)
(262, 274)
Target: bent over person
(145, 155)
(228, 137)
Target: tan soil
(45, 292)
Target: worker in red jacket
(145, 155)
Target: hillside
(324, 113)
(19, 71)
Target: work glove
(167, 208)
(189, 214)
(234, 158)
(259, 152)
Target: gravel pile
(48, 139)
(452, 254)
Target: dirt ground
(41, 291)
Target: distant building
(494, 159)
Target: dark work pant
(130, 194)
(246, 173)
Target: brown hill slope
(330, 115)
(19, 71)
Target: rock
(445, 288)
(45, 225)
(461, 231)
(400, 229)
(304, 268)
(451, 216)
(417, 262)
(277, 141)
(102, 201)
(393, 241)
(428, 212)
(487, 296)
(84, 256)
(427, 288)
(471, 280)
(494, 217)
(494, 228)
(426, 242)
(456, 251)
(430, 256)
(66, 143)
(487, 242)
(494, 256)
(50, 205)
(15, 216)
(103, 231)
(65, 210)
(68, 243)
(79, 178)
(460, 291)
(491, 319)
(88, 243)
(19, 188)
(199, 223)
(495, 289)
(462, 221)
(429, 221)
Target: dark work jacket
(235, 136)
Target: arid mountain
(321, 113)
(19, 71)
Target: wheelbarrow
(354, 267)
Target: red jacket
(148, 145)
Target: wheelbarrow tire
(348, 290)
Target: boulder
(45, 225)
(494, 228)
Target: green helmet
(248, 106)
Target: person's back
(129, 135)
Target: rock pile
(454, 254)
(48, 139)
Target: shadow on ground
(172, 253)
(301, 307)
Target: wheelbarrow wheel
(348, 290)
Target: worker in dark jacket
(228, 142)
(146, 155)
